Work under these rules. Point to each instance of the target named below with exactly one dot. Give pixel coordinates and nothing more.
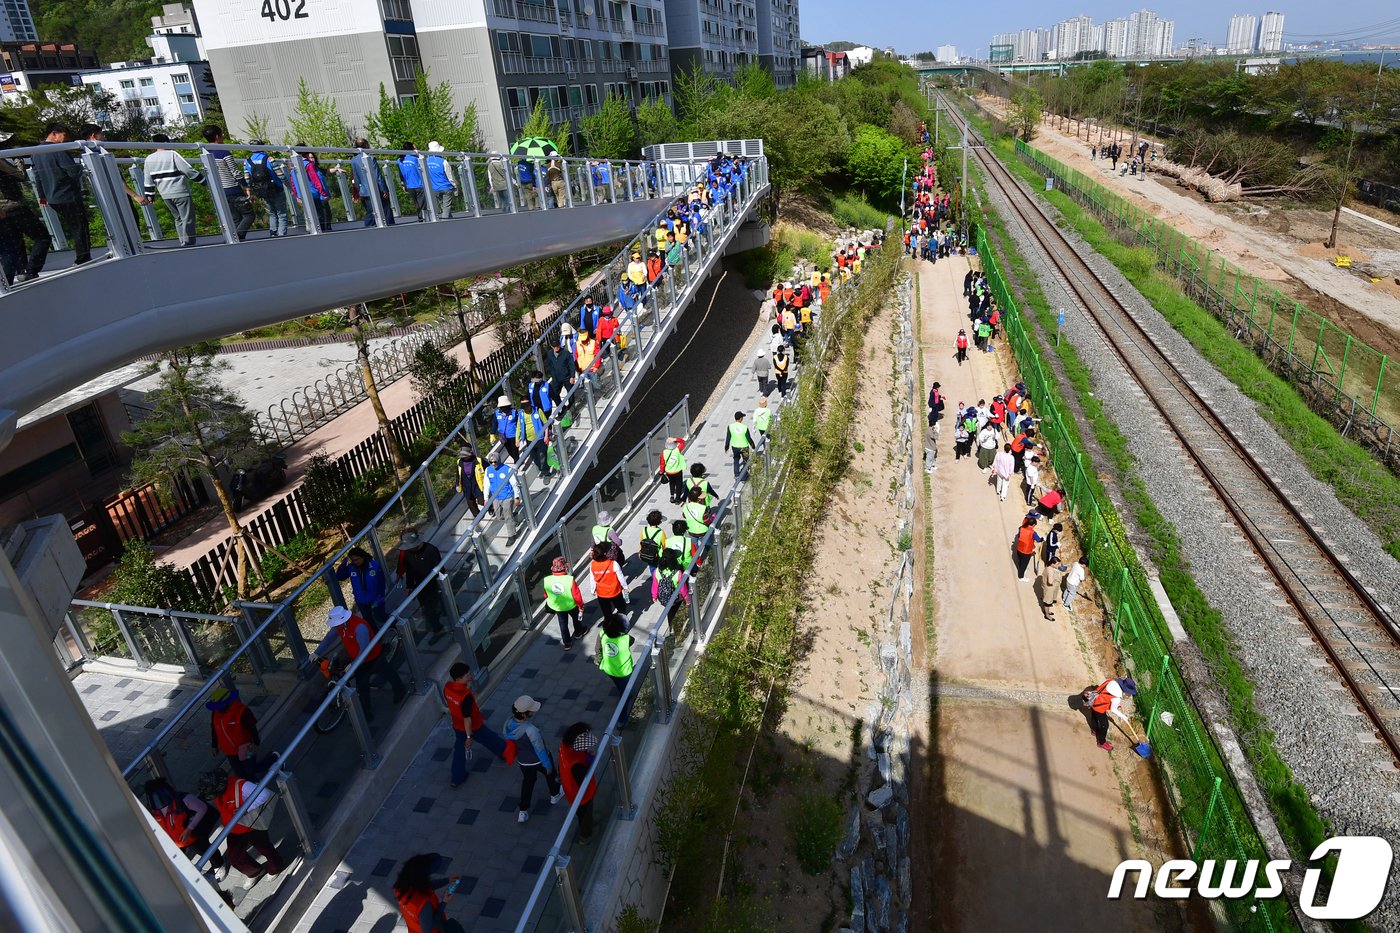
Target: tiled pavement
(475, 825)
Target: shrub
(815, 824)
(141, 580)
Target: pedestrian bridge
(142, 292)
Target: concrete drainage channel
(876, 844)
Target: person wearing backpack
(653, 542)
(525, 175)
(609, 582)
(187, 820)
(266, 182)
(531, 755)
(411, 174)
(577, 749)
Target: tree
(610, 133)
(359, 317)
(316, 121)
(430, 115)
(141, 580)
(1026, 108)
(196, 425)
(904, 123)
(875, 163)
(255, 127)
(539, 125)
(656, 123)
(113, 29)
(432, 370)
(695, 91)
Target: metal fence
(1352, 385)
(1206, 806)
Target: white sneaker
(250, 881)
(522, 816)
(221, 872)
(557, 797)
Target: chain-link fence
(1354, 386)
(1207, 809)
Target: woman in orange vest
(1026, 539)
(609, 583)
(189, 822)
(233, 730)
(1106, 699)
(824, 289)
(416, 891)
(576, 753)
(243, 834)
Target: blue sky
(915, 26)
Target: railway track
(1356, 634)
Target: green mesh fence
(1206, 808)
(1353, 385)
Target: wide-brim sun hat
(410, 541)
(503, 402)
(339, 615)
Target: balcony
(653, 67)
(503, 8)
(613, 67)
(618, 25)
(537, 12)
(648, 29)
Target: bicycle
(332, 715)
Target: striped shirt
(230, 171)
(168, 172)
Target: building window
(396, 9)
(128, 85)
(186, 98)
(148, 82)
(403, 57)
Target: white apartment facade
(1243, 35)
(1271, 32)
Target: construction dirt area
(1015, 787)
(1278, 240)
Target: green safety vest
(762, 417)
(682, 547)
(600, 533)
(694, 515)
(559, 592)
(675, 461)
(615, 655)
(984, 329)
(694, 483)
(739, 435)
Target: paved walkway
(1025, 792)
(475, 825)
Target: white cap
(339, 616)
(526, 704)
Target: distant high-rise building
(1115, 38)
(946, 53)
(17, 24)
(1271, 32)
(1244, 33)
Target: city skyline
(884, 22)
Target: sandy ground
(817, 747)
(1024, 816)
(1278, 241)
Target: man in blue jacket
(507, 427)
(412, 174)
(440, 178)
(369, 182)
(367, 584)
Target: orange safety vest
(411, 905)
(230, 800)
(825, 289)
(1103, 700)
(459, 697)
(962, 341)
(1025, 539)
(352, 642)
(228, 728)
(787, 295)
(174, 821)
(605, 581)
(1018, 443)
(568, 757)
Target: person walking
(18, 222)
(962, 440)
(782, 364)
(615, 651)
(1003, 465)
(740, 441)
(604, 533)
(961, 344)
(502, 498)
(564, 600)
(415, 889)
(418, 561)
(554, 182)
(1107, 700)
(762, 369)
(471, 480)
(317, 199)
(411, 174)
(507, 426)
(1049, 581)
(652, 543)
(577, 749)
(232, 182)
(355, 637)
(1026, 540)
(367, 584)
(762, 421)
(609, 582)
(698, 481)
(187, 820)
(233, 730)
(531, 755)
(370, 183)
(936, 404)
(247, 832)
(673, 468)
(440, 180)
(696, 514)
(530, 427)
(986, 441)
(562, 371)
(1074, 580)
(58, 183)
(168, 174)
(468, 724)
(267, 182)
(498, 180)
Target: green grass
(814, 822)
(1298, 820)
(851, 210)
(1362, 484)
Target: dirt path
(1027, 817)
(1276, 241)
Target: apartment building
(175, 85)
(501, 55)
(779, 40)
(16, 22)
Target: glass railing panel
(494, 630)
(578, 533)
(157, 639)
(100, 629)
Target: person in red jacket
(233, 730)
(244, 833)
(468, 724)
(415, 889)
(576, 753)
(187, 820)
(961, 344)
